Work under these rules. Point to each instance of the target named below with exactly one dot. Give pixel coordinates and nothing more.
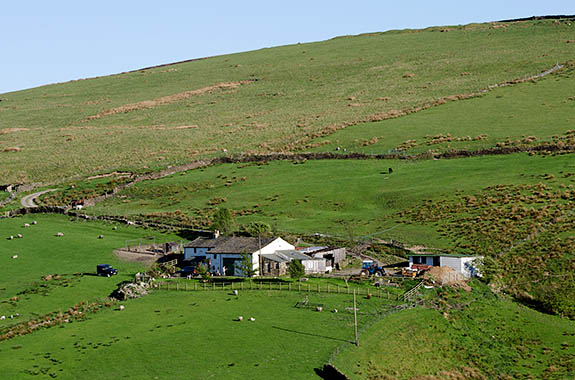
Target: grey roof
(230, 244)
(286, 256)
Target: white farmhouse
(226, 251)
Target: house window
(416, 260)
(277, 265)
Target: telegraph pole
(355, 319)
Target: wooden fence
(279, 286)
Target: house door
(230, 265)
(436, 262)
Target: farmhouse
(226, 252)
(276, 264)
(466, 265)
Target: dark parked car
(106, 270)
(187, 271)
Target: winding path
(28, 200)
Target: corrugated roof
(286, 256)
(442, 254)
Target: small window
(277, 265)
(416, 260)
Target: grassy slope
(192, 336)
(307, 85)
(495, 337)
(41, 253)
(329, 196)
(541, 109)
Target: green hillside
(168, 115)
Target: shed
(465, 264)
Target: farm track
(28, 200)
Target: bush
(296, 269)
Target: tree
(246, 265)
(296, 269)
(257, 229)
(224, 221)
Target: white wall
(278, 244)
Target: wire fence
(279, 286)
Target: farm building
(226, 251)
(332, 255)
(466, 265)
(276, 264)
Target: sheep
(10, 237)
(100, 236)
(236, 292)
(114, 228)
(60, 234)
(26, 225)
(319, 308)
(122, 307)
(34, 222)
(15, 256)
(334, 311)
(252, 319)
(78, 207)
(240, 318)
(2, 318)
(19, 236)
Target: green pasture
(301, 89)
(73, 256)
(542, 109)
(336, 197)
(480, 334)
(193, 335)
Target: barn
(464, 264)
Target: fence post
(328, 288)
(260, 285)
(318, 288)
(242, 285)
(232, 285)
(177, 286)
(308, 288)
(186, 286)
(289, 286)
(195, 286)
(213, 286)
(337, 289)
(299, 286)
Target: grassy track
(301, 89)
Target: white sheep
(252, 319)
(114, 228)
(78, 207)
(34, 222)
(26, 225)
(19, 236)
(236, 292)
(60, 234)
(122, 307)
(2, 318)
(15, 256)
(240, 318)
(10, 237)
(100, 236)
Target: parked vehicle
(188, 271)
(106, 270)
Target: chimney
(216, 234)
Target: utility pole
(355, 319)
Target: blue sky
(55, 41)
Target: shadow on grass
(312, 334)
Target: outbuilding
(464, 264)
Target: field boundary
(267, 286)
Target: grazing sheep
(19, 236)
(122, 307)
(252, 319)
(240, 318)
(26, 225)
(319, 308)
(2, 318)
(34, 222)
(114, 228)
(10, 237)
(78, 207)
(100, 236)
(60, 234)
(130, 223)
(236, 292)
(15, 256)
(334, 311)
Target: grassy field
(485, 338)
(193, 336)
(73, 257)
(332, 196)
(301, 89)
